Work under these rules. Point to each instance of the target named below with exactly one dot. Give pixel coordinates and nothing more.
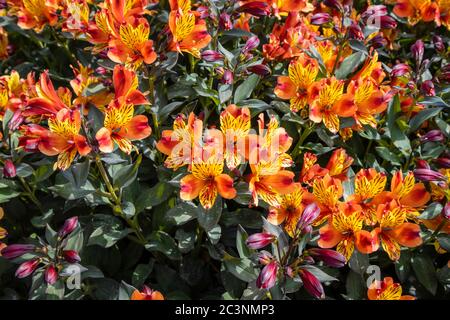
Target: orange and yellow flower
(386, 290)
(35, 14)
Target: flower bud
(378, 41)
(438, 43)
(387, 22)
(312, 284)
(252, 43)
(16, 250)
(422, 164)
(428, 88)
(310, 213)
(260, 69)
(417, 50)
(227, 77)
(9, 169)
(265, 257)
(16, 120)
(27, 268)
(255, 8)
(51, 275)
(330, 257)
(101, 70)
(374, 11)
(355, 31)
(259, 240)
(320, 19)
(443, 162)
(69, 225)
(225, 21)
(71, 256)
(399, 70)
(432, 136)
(268, 276)
(446, 211)
(429, 175)
(211, 56)
(204, 12)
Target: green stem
(305, 134)
(30, 194)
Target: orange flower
(327, 103)
(62, 138)
(327, 192)
(120, 126)
(394, 231)
(310, 169)
(344, 230)
(415, 10)
(189, 33)
(35, 14)
(147, 294)
(386, 290)
(339, 164)
(302, 74)
(205, 182)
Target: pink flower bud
(432, 136)
(387, 22)
(428, 88)
(399, 70)
(71, 256)
(374, 11)
(51, 275)
(446, 211)
(16, 120)
(308, 216)
(265, 257)
(320, 19)
(443, 162)
(225, 21)
(438, 43)
(268, 276)
(259, 240)
(9, 169)
(227, 77)
(417, 50)
(27, 268)
(255, 8)
(355, 31)
(429, 175)
(69, 225)
(312, 284)
(101, 70)
(204, 12)
(422, 164)
(260, 69)
(211, 56)
(330, 257)
(16, 250)
(252, 43)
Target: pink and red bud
(438, 43)
(260, 70)
(312, 284)
(330, 257)
(374, 11)
(320, 18)
(378, 41)
(51, 275)
(399, 70)
(227, 77)
(268, 276)
(16, 250)
(225, 21)
(417, 50)
(432, 136)
(387, 22)
(255, 8)
(310, 213)
(422, 164)
(252, 43)
(211, 56)
(68, 227)
(428, 88)
(9, 169)
(429, 175)
(16, 120)
(265, 257)
(355, 31)
(101, 70)
(259, 240)
(443, 162)
(71, 256)
(27, 268)
(446, 211)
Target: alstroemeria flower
(36, 14)
(345, 231)
(146, 294)
(189, 32)
(386, 290)
(327, 192)
(302, 74)
(206, 181)
(120, 124)
(328, 103)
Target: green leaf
(127, 174)
(163, 242)
(403, 266)
(387, 155)
(154, 196)
(359, 262)
(209, 218)
(424, 269)
(245, 89)
(243, 269)
(141, 273)
(431, 212)
(78, 173)
(355, 286)
(444, 241)
(225, 92)
(24, 170)
(421, 117)
(182, 213)
(350, 65)
(214, 234)
(108, 230)
(319, 274)
(241, 238)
